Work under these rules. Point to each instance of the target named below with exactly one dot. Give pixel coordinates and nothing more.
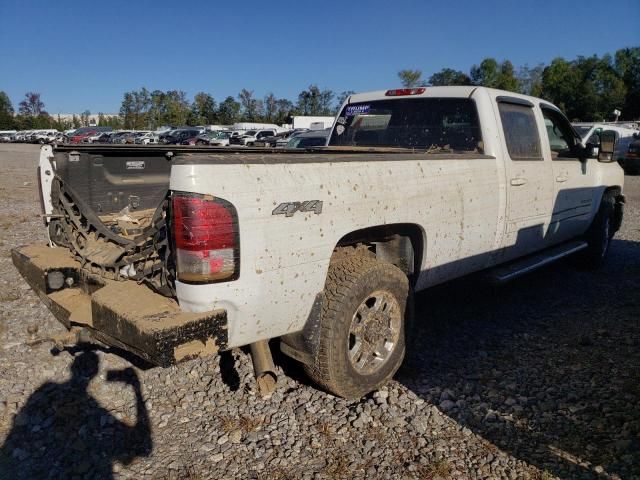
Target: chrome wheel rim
(374, 332)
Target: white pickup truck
(176, 252)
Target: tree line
(144, 109)
(586, 89)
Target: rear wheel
(361, 343)
(599, 234)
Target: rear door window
(520, 131)
(434, 124)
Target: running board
(528, 264)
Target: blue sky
(84, 55)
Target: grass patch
(338, 467)
(245, 423)
(439, 468)
(276, 473)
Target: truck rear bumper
(122, 314)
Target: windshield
(251, 133)
(435, 124)
(305, 142)
(583, 130)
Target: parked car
(282, 142)
(178, 136)
(312, 138)
(42, 136)
(190, 140)
(7, 136)
(148, 138)
(321, 250)
(631, 162)
(80, 134)
(48, 137)
(590, 133)
(97, 137)
(101, 137)
(249, 137)
(217, 138)
(120, 137)
(273, 140)
(19, 136)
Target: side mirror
(592, 150)
(607, 146)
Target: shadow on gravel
(63, 432)
(547, 368)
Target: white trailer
(312, 123)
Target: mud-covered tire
(599, 235)
(352, 281)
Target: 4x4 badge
(289, 208)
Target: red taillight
(399, 92)
(206, 239)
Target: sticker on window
(357, 110)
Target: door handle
(561, 178)
(516, 182)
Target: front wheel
(361, 338)
(599, 235)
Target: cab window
(520, 131)
(562, 139)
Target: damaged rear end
(109, 268)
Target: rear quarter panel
(284, 260)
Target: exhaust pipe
(263, 368)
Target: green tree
(627, 66)
(177, 107)
(486, 74)
(229, 111)
(530, 79)
(6, 112)
(506, 78)
(587, 88)
(314, 101)
(251, 108)
(343, 98)
(270, 103)
(203, 110)
(129, 111)
(84, 118)
(410, 78)
(448, 76)
(492, 74)
(284, 110)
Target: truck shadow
(547, 368)
(63, 432)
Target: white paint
(46, 178)
(467, 209)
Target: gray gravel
(539, 379)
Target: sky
(85, 55)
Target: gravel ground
(539, 379)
